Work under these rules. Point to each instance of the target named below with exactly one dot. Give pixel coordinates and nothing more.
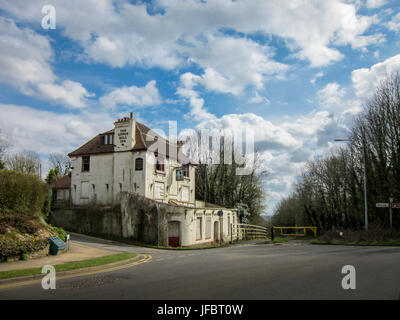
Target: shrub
(61, 233)
(375, 233)
(10, 248)
(22, 222)
(21, 193)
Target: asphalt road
(247, 271)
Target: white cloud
(373, 4)
(266, 134)
(257, 99)
(25, 60)
(230, 64)
(121, 33)
(186, 91)
(46, 132)
(132, 96)
(331, 95)
(394, 23)
(316, 77)
(366, 80)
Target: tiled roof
(144, 138)
(63, 182)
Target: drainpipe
(158, 223)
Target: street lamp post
(365, 184)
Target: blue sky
(296, 71)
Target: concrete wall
(137, 218)
(113, 173)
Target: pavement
(76, 252)
(245, 271)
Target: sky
(296, 72)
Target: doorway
(174, 233)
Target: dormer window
(107, 139)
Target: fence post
(272, 233)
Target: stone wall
(135, 218)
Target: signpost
(382, 205)
(389, 205)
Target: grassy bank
(112, 258)
(358, 243)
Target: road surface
(244, 271)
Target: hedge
(21, 193)
(11, 248)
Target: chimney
(131, 115)
(181, 146)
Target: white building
(131, 157)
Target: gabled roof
(144, 138)
(62, 182)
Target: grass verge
(112, 258)
(358, 243)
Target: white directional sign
(382, 205)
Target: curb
(26, 280)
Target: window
(139, 164)
(85, 163)
(208, 228)
(186, 171)
(159, 190)
(185, 194)
(160, 166)
(198, 229)
(107, 139)
(85, 190)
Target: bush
(61, 233)
(373, 234)
(10, 248)
(21, 193)
(22, 222)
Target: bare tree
(26, 162)
(330, 191)
(4, 145)
(61, 162)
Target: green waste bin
(56, 244)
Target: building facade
(133, 158)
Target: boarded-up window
(185, 194)
(158, 190)
(198, 228)
(208, 227)
(85, 190)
